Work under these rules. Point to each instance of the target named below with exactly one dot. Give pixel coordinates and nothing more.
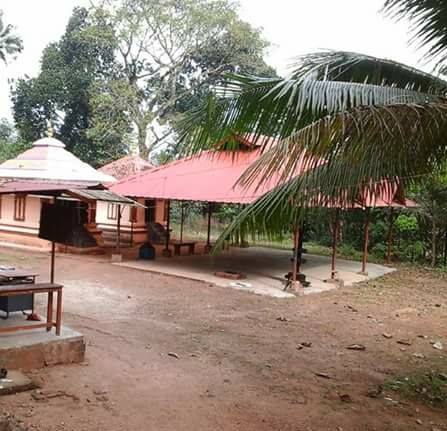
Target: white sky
(293, 26)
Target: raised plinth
(38, 348)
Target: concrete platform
(37, 348)
(264, 269)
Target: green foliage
(170, 54)
(10, 145)
(61, 92)
(10, 43)
(406, 225)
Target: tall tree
(70, 69)
(10, 145)
(10, 43)
(171, 52)
(373, 121)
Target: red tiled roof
(126, 166)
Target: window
(112, 211)
(19, 207)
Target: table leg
(50, 311)
(59, 312)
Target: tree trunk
(142, 136)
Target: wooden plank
(25, 327)
(12, 289)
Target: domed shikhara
(48, 160)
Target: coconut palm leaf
(429, 21)
(10, 43)
(367, 150)
(362, 68)
(401, 140)
(280, 107)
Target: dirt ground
(236, 363)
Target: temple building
(49, 163)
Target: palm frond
(374, 142)
(280, 107)
(10, 43)
(428, 18)
(362, 68)
(366, 151)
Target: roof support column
(208, 235)
(167, 252)
(365, 242)
(118, 229)
(182, 220)
(390, 236)
(335, 235)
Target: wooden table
(27, 289)
(12, 275)
(179, 244)
(17, 276)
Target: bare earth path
(237, 364)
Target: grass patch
(426, 386)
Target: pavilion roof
(212, 176)
(48, 161)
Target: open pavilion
(210, 177)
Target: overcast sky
(293, 26)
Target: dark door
(150, 210)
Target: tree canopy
(61, 93)
(171, 53)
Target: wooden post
(365, 242)
(208, 234)
(53, 258)
(167, 251)
(50, 311)
(296, 261)
(390, 236)
(59, 312)
(334, 244)
(182, 220)
(118, 229)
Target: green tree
(10, 43)
(62, 93)
(171, 52)
(10, 145)
(370, 119)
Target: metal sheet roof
(209, 177)
(48, 160)
(212, 176)
(103, 196)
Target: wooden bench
(32, 289)
(179, 244)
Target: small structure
(133, 229)
(47, 165)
